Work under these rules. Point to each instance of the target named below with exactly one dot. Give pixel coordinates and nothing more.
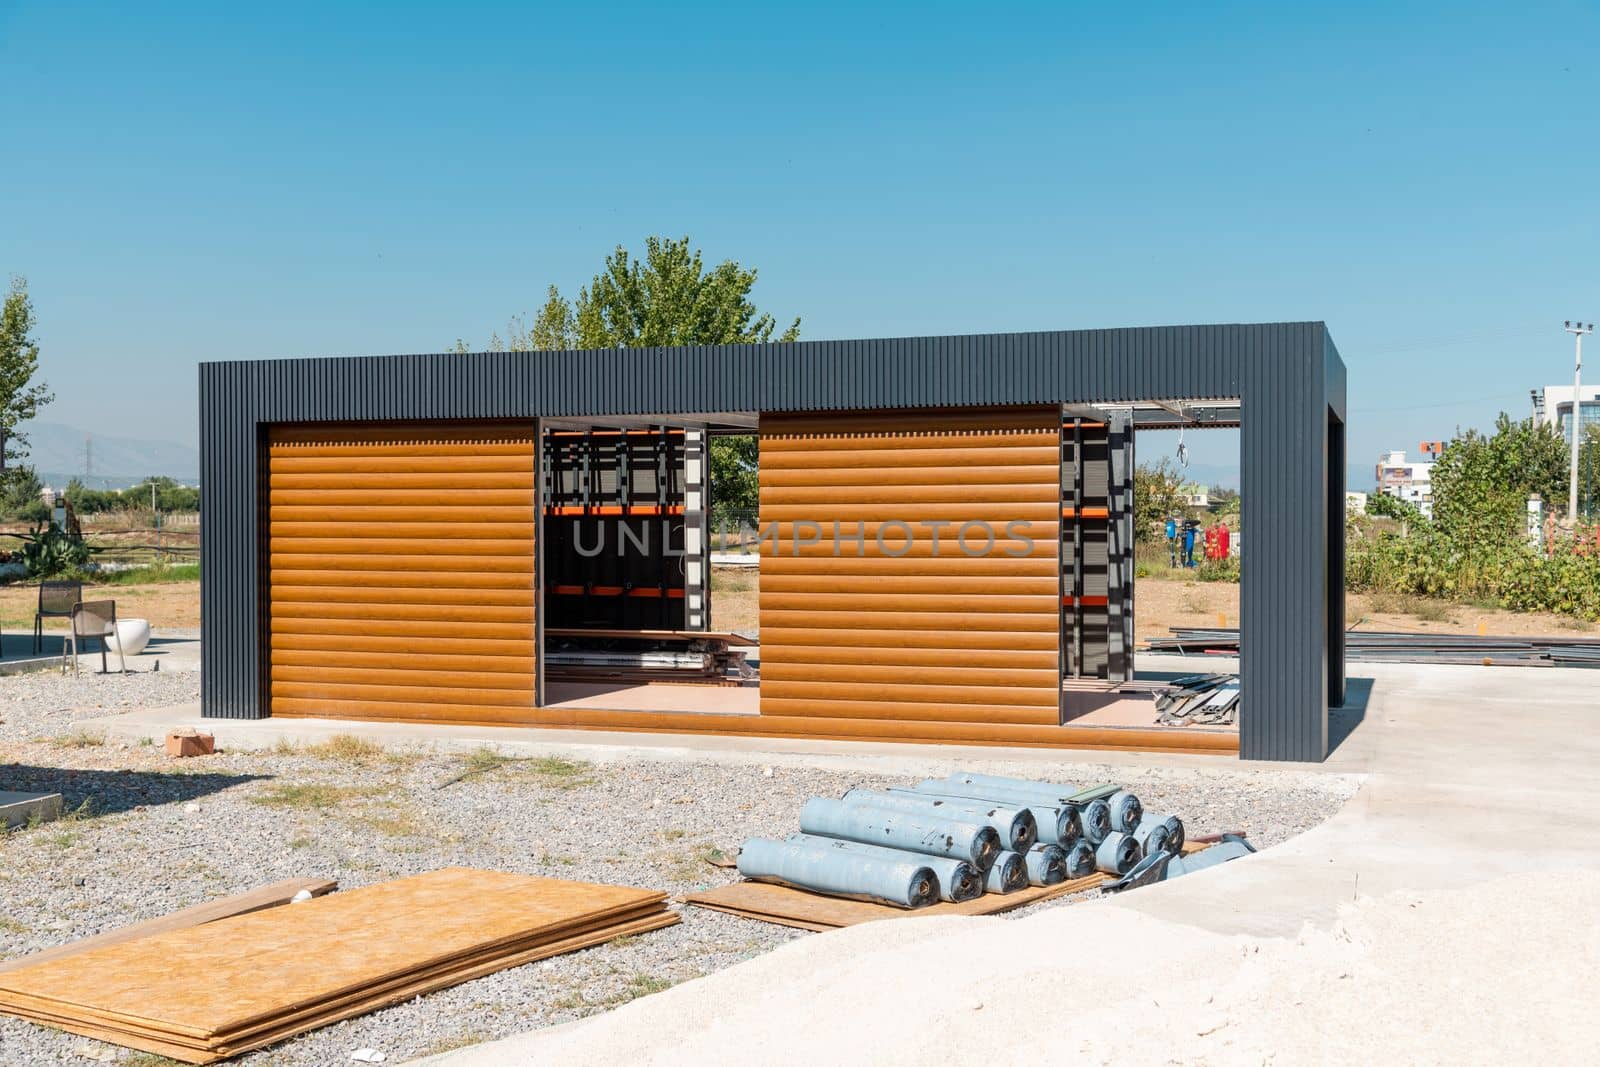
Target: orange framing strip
(818, 728)
(630, 510)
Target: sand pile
(1500, 972)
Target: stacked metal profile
(1200, 699)
(955, 838)
(1387, 647)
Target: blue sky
(197, 181)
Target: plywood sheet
(249, 975)
(268, 896)
(813, 911)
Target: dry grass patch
(309, 796)
(79, 739)
(346, 748)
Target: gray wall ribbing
(1286, 375)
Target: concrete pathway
(1474, 775)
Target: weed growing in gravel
(642, 985)
(393, 822)
(8, 925)
(551, 771)
(308, 796)
(283, 746)
(79, 739)
(560, 773)
(346, 748)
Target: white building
(1552, 406)
(1407, 480)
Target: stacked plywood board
(209, 992)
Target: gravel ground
(153, 835)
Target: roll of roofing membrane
(1016, 825)
(906, 883)
(872, 825)
(1080, 859)
(1117, 853)
(1152, 835)
(1058, 824)
(1047, 864)
(958, 879)
(1009, 874)
(1125, 811)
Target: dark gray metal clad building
(1287, 379)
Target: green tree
(668, 297)
(1589, 473)
(1156, 496)
(1481, 482)
(20, 396)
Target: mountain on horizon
(59, 453)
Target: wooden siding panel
(400, 565)
(908, 627)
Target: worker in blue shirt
(1188, 543)
(1172, 539)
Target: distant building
(1552, 406)
(1355, 503)
(1195, 496)
(1407, 480)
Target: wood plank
(943, 493)
(896, 582)
(401, 579)
(926, 601)
(305, 463)
(400, 629)
(902, 687)
(347, 496)
(350, 549)
(934, 474)
(813, 911)
(361, 640)
(996, 514)
(901, 656)
(823, 443)
(385, 662)
(842, 634)
(399, 515)
(442, 529)
(946, 565)
(799, 668)
(1024, 622)
(993, 456)
(411, 613)
(428, 481)
(395, 677)
(355, 595)
(267, 896)
(292, 557)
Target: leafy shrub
(51, 552)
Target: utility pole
(1577, 330)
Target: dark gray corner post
(1285, 648)
(231, 604)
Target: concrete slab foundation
(19, 809)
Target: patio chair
(90, 619)
(56, 601)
